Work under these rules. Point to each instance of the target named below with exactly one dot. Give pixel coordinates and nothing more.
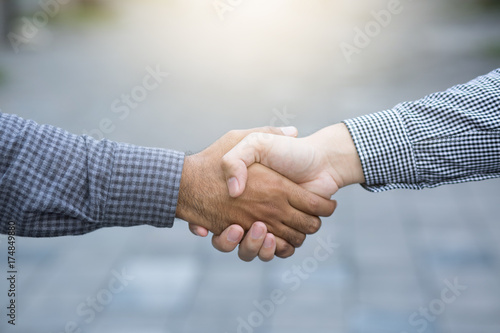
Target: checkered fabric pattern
(445, 138)
(53, 183)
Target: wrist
(201, 191)
(185, 209)
(339, 151)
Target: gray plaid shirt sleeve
(445, 138)
(53, 183)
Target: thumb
(289, 131)
(247, 152)
(234, 164)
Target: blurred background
(402, 261)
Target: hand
(289, 211)
(321, 163)
(257, 242)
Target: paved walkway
(400, 261)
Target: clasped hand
(262, 175)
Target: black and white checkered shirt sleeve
(445, 138)
(53, 183)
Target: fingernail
(233, 235)
(233, 186)
(289, 131)
(268, 242)
(257, 232)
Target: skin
(322, 163)
(287, 211)
(257, 242)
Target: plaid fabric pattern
(445, 138)
(53, 183)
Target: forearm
(54, 183)
(447, 137)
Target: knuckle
(225, 161)
(252, 138)
(314, 203)
(269, 129)
(273, 210)
(298, 240)
(331, 210)
(314, 225)
(306, 224)
(258, 139)
(333, 207)
(234, 135)
(284, 251)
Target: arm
(54, 183)
(447, 137)
(444, 138)
(424, 138)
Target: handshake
(265, 189)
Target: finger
(235, 163)
(266, 252)
(283, 248)
(290, 131)
(290, 233)
(311, 203)
(253, 241)
(248, 151)
(303, 223)
(228, 239)
(235, 136)
(198, 230)
(237, 176)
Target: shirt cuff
(144, 186)
(385, 151)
